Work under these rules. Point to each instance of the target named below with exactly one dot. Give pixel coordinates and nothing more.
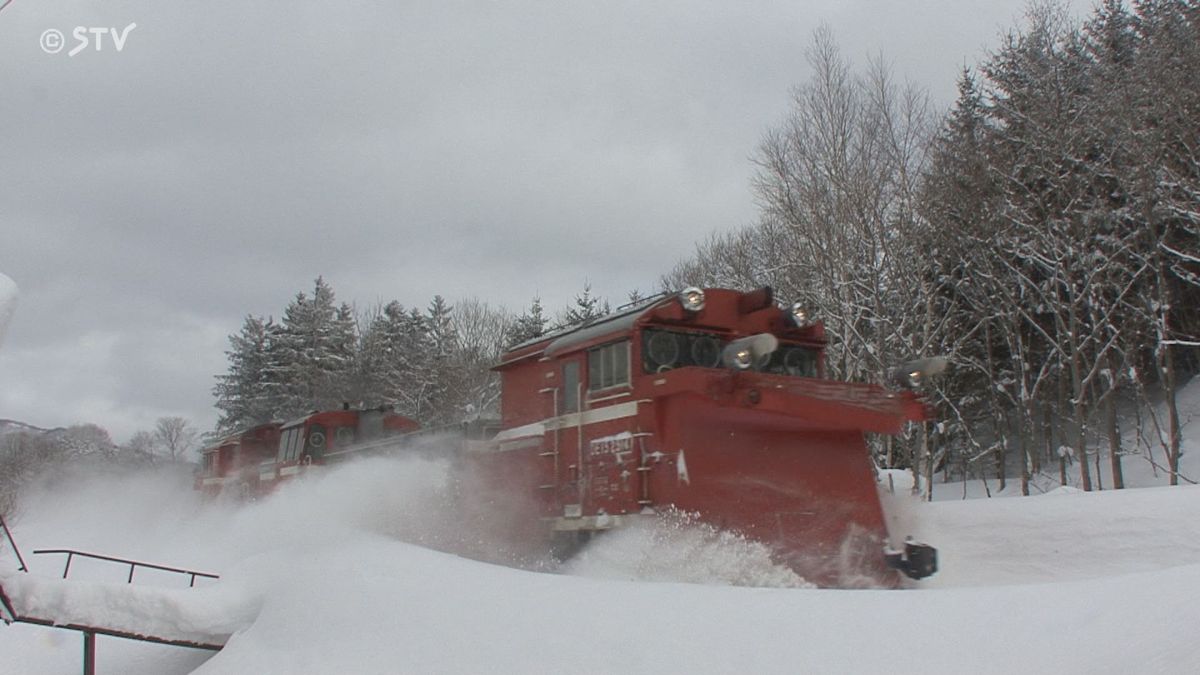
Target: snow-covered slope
(1064, 583)
(1143, 462)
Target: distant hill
(8, 426)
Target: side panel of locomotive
(331, 436)
(254, 461)
(232, 466)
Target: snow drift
(330, 575)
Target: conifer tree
(243, 393)
(310, 353)
(587, 308)
(531, 324)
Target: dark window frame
(571, 381)
(608, 366)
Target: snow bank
(1064, 535)
(315, 579)
(400, 609)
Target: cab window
(608, 366)
(570, 387)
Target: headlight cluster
(913, 374)
(692, 299)
(744, 353)
(800, 316)
(741, 359)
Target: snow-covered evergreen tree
(587, 308)
(397, 360)
(310, 352)
(530, 324)
(244, 393)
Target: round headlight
(801, 317)
(743, 358)
(692, 299)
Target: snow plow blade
(786, 464)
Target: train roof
(564, 338)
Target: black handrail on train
(133, 564)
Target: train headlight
(912, 375)
(743, 353)
(741, 359)
(800, 316)
(692, 299)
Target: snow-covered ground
(317, 579)
(332, 575)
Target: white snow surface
(330, 576)
(315, 580)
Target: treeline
(27, 453)
(1045, 234)
(431, 364)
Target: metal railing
(133, 564)
(13, 544)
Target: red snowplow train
(712, 402)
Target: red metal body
(254, 461)
(635, 413)
(233, 464)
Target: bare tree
(481, 336)
(175, 437)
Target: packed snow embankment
(1064, 535)
(386, 606)
(334, 590)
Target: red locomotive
(254, 461)
(711, 402)
(233, 463)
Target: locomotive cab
(326, 436)
(234, 462)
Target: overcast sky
(230, 152)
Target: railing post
(89, 653)
(130, 579)
(67, 568)
(11, 542)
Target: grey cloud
(233, 151)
